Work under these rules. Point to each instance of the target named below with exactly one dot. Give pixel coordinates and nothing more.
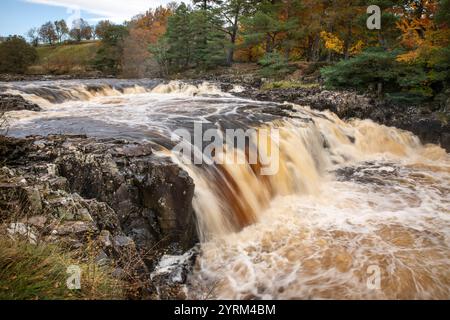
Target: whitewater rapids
(356, 211)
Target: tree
(179, 38)
(191, 41)
(110, 53)
(47, 33)
(135, 60)
(276, 24)
(101, 28)
(61, 29)
(230, 13)
(16, 55)
(81, 30)
(208, 43)
(33, 36)
(144, 31)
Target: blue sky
(18, 16)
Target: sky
(19, 16)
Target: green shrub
(274, 66)
(16, 55)
(364, 71)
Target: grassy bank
(39, 272)
(65, 59)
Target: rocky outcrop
(72, 190)
(11, 102)
(430, 125)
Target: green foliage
(274, 66)
(266, 26)
(443, 14)
(16, 55)
(363, 71)
(284, 84)
(208, 49)
(191, 41)
(66, 58)
(413, 82)
(109, 55)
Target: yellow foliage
(357, 47)
(332, 42)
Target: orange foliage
(153, 21)
(419, 33)
(248, 53)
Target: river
(355, 210)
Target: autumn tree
(81, 30)
(101, 28)
(144, 30)
(47, 32)
(61, 29)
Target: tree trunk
(313, 48)
(269, 47)
(381, 39)
(233, 36)
(348, 41)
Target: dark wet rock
(13, 150)
(369, 173)
(73, 190)
(11, 102)
(171, 273)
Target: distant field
(65, 59)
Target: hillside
(65, 59)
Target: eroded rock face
(135, 205)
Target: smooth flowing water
(356, 209)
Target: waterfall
(348, 198)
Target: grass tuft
(39, 272)
(279, 85)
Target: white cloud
(115, 10)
